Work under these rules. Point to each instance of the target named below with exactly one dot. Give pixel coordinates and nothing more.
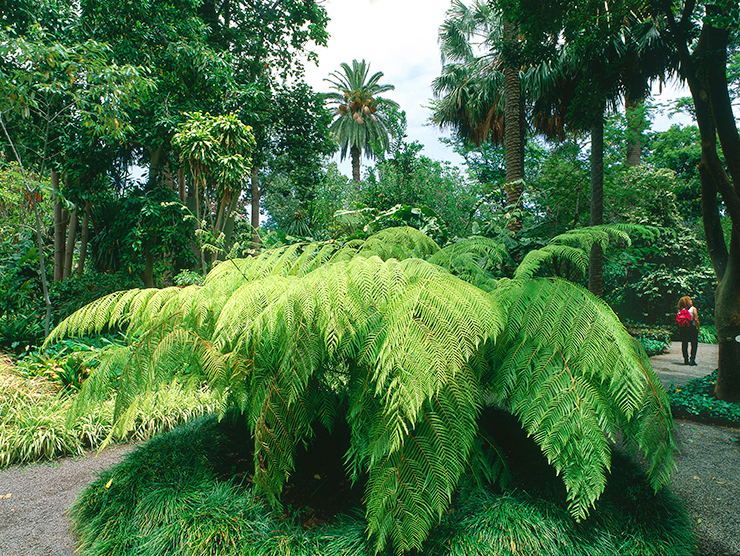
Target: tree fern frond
(573, 376)
(244, 306)
(94, 317)
(475, 260)
(399, 243)
(551, 254)
(411, 486)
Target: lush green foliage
(407, 178)
(406, 354)
(696, 400)
(186, 493)
(654, 340)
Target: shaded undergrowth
(695, 401)
(189, 492)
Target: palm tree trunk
(355, 154)
(596, 259)
(513, 137)
(634, 145)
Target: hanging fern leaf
(574, 377)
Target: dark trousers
(689, 334)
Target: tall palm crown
(362, 116)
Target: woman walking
(688, 328)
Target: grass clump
(696, 401)
(34, 424)
(189, 492)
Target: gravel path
(34, 498)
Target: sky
(399, 38)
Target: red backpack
(683, 318)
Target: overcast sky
(399, 38)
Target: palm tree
(362, 116)
(405, 343)
(480, 95)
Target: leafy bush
(708, 334)
(177, 495)
(654, 340)
(21, 301)
(66, 364)
(695, 400)
(653, 347)
(77, 291)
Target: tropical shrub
(654, 340)
(370, 335)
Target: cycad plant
(407, 354)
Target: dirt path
(33, 521)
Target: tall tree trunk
(70, 247)
(705, 73)
(155, 166)
(727, 320)
(59, 228)
(84, 235)
(255, 207)
(513, 136)
(354, 152)
(229, 225)
(181, 190)
(147, 276)
(596, 259)
(633, 110)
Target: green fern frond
(94, 317)
(573, 376)
(605, 234)
(399, 243)
(552, 254)
(412, 485)
(475, 260)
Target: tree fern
(406, 353)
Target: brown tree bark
(354, 153)
(59, 229)
(596, 258)
(513, 135)
(84, 235)
(634, 145)
(69, 249)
